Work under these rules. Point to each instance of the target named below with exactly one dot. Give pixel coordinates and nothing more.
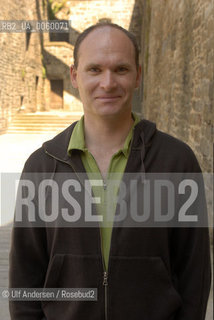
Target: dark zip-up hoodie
(153, 273)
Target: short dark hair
(84, 34)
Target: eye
(122, 69)
(94, 70)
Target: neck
(107, 132)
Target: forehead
(106, 44)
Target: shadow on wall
(135, 28)
(57, 69)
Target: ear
(138, 77)
(74, 77)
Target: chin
(109, 112)
(112, 109)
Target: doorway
(56, 99)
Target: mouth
(108, 98)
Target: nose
(108, 81)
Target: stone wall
(21, 82)
(177, 91)
(178, 71)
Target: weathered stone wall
(21, 82)
(178, 71)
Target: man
(140, 273)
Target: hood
(57, 147)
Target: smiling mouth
(108, 98)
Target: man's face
(106, 75)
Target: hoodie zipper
(105, 278)
(105, 283)
(105, 273)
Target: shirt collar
(77, 140)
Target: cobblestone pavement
(16, 149)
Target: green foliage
(43, 72)
(23, 73)
(54, 7)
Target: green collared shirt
(116, 169)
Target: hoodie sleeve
(190, 255)
(189, 246)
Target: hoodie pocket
(74, 271)
(141, 288)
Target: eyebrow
(92, 65)
(96, 65)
